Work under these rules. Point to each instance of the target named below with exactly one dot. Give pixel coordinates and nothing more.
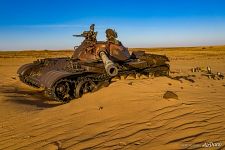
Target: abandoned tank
(92, 63)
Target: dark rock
(169, 83)
(170, 94)
(100, 107)
(130, 83)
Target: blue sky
(49, 24)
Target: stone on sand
(170, 94)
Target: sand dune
(129, 114)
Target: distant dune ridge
(128, 114)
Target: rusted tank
(93, 63)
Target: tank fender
(48, 79)
(23, 69)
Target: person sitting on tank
(88, 43)
(111, 36)
(115, 47)
(90, 38)
(91, 35)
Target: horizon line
(69, 49)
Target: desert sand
(128, 114)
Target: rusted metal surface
(92, 63)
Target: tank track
(76, 86)
(151, 71)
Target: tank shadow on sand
(33, 97)
(22, 96)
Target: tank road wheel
(162, 71)
(63, 91)
(84, 86)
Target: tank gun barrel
(110, 67)
(78, 35)
(84, 34)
